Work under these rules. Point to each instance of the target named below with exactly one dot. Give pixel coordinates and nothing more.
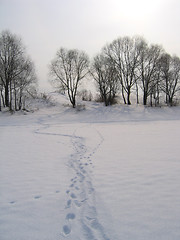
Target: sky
(88, 25)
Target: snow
(100, 173)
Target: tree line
(124, 66)
(17, 72)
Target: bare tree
(106, 77)
(170, 75)
(16, 69)
(124, 53)
(148, 68)
(25, 83)
(155, 87)
(68, 68)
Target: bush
(86, 95)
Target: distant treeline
(125, 66)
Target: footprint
(72, 179)
(66, 229)
(37, 197)
(12, 202)
(95, 224)
(77, 203)
(57, 191)
(68, 203)
(73, 195)
(70, 216)
(82, 177)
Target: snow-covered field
(97, 174)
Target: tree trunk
(105, 99)
(74, 101)
(74, 105)
(170, 101)
(145, 99)
(10, 103)
(2, 97)
(24, 103)
(15, 100)
(151, 103)
(123, 95)
(20, 100)
(6, 96)
(137, 94)
(128, 96)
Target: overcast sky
(47, 25)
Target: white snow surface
(102, 173)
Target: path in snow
(81, 212)
(81, 218)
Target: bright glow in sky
(47, 25)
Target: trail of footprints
(80, 194)
(77, 195)
(35, 197)
(80, 205)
